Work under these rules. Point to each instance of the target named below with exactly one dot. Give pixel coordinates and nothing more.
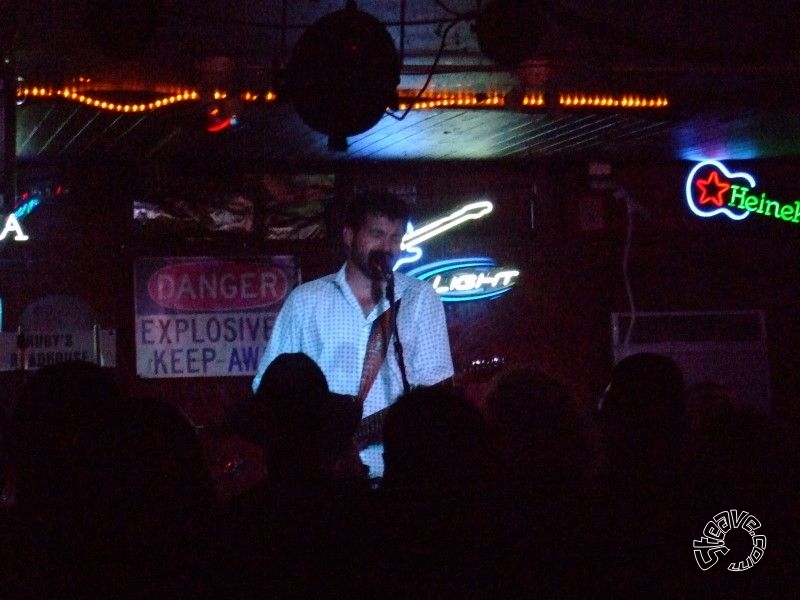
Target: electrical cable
(395, 332)
(431, 72)
(622, 193)
(447, 9)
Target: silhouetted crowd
(109, 496)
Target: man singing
(341, 318)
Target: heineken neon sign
(711, 190)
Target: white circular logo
(708, 548)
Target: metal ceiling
(57, 130)
(738, 106)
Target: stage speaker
(343, 74)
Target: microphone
(380, 264)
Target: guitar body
(368, 438)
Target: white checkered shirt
(323, 319)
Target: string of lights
(408, 99)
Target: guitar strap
(377, 347)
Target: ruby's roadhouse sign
(207, 317)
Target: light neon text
(462, 279)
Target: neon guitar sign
(711, 190)
(459, 279)
(414, 237)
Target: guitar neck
(370, 429)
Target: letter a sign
(12, 226)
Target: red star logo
(712, 189)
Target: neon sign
(711, 189)
(12, 226)
(414, 237)
(462, 279)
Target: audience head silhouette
(643, 416)
(434, 439)
(296, 417)
(64, 416)
(107, 488)
(645, 389)
(533, 427)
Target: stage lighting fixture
(343, 74)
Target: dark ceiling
(728, 68)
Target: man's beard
(361, 261)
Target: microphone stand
(398, 346)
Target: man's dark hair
(383, 204)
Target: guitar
(370, 429)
